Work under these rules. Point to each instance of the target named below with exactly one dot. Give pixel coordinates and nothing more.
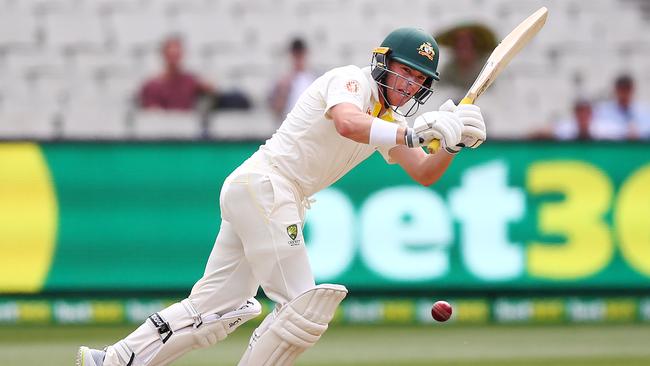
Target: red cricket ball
(441, 311)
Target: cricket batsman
(340, 120)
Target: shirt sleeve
(346, 88)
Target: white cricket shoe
(90, 357)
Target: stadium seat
(111, 6)
(210, 32)
(95, 117)
(166, 125)
(75, 29)
(139, 31)
(26, 66)
(99, 63)
(17, 29)
(28, 116)
(255, 124)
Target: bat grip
(434, 145)
(467, 100)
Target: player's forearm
(433, 167)
(355, 126)
(423, 168)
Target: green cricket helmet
(414, 48)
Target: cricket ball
(441, 311)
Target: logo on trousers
(292, 231)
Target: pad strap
(191, 310)
(163, 328)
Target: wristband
(408, 137)
(383, 133)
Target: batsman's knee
(290, 330)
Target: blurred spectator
(288, 88)
(577, 127)
(622, 117)
(175, 88)
(471, 44)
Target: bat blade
(501, 57)
(505, 52)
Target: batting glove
(474, 131)
(441, 125)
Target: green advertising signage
(508, 216)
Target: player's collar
(373, 84)
(388, 115)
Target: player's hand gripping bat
(500, 57)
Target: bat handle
(467, 100)
(434, 145)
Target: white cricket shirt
(307, 149)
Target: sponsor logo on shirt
(352, 86)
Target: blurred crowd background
(227, 69)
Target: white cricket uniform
(260, 242)
(263, 201)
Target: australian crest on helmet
(426, 49)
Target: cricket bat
(501, 57)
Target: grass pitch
(454, 345)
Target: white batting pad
(214, 329)
(297, 326)
(176, 330)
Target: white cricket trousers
(260, 243)
(257, 244)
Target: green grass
(611, 345)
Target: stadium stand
(55, 53)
